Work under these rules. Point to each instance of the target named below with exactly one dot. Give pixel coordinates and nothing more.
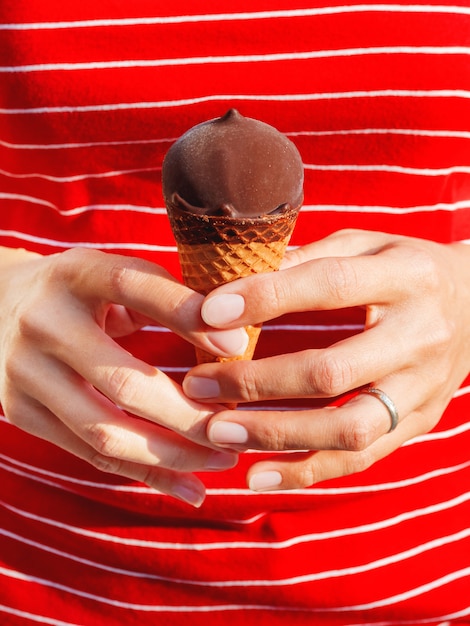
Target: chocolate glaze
(233, 166)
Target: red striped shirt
(377, 98)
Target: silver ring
(387, 402)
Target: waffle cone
(214, 250)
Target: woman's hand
(64, 379)
(415, 347)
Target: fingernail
(265, 481)
(189, 494)
(232, 342)
(221, 460)
(227, 432)
(198, 387)
(223, 309)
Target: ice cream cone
(214, 250)
(233, 187)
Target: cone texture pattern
(215, 250)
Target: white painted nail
(265, 481)
(223, 309)
(199, 387)
(228, 433)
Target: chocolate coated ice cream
(233, 166)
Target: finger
(39, 421)
(108, 430)
(147, 289)
(302, 470)
(353, 426)
(347, 242)
(128, 382)
(321, 284)
(329, 372)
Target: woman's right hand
(63, 378)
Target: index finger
(319, 284)
(131, 384)
(147, 289)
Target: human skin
(415, 347)
(63, 377)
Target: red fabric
(377, 98)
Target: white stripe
(439, 435)
(23, 198)
(54, 243)
(313, 327)
(441, 206)
(280, 327)
(413, 622)
(224, 545)
(307, 208)
(462, 391)
(239, 58)
(84, 209)
(331, 491)
(113, 207)
(412, 593)
(412, 132)
(255, 15)
(70, 179)
(311, 491)
(394, 169)
(86, 144)
(272, 582)
(88, 562)
(302, 97)
(35, 618)
(446, 134)
(82, 594)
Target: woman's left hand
(415, 347)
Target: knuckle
(66, 266)
(245, 379)
(306, 475)
(26, 325)
(276, 439)
(440, 337)
(271, 293)
(357, 462)
(69, 272)
(152, 477)
(13, 368)
(121, 276)
(118, 279)
(355, 436)
(105, 463)
(340, 278)
(331, 376)
(107, 440)
(273, 436)
(30, 325)
(12, 414)
(179, 460)
(122, 387)
(422, 267)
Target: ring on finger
(387, 402)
